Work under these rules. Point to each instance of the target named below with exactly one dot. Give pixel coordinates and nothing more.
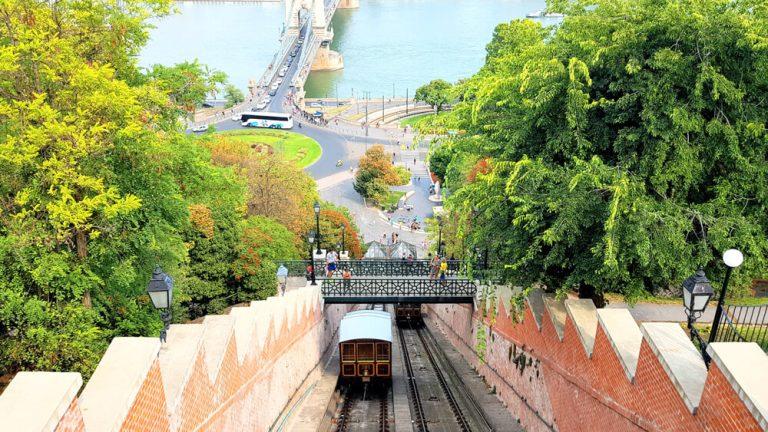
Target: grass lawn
(755, 333)
(411, 121)
(302, 150)
(747, 301)
(392, 199)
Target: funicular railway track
(456, 399)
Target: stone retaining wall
(567, 366)
(232, 372)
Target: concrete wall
(232, 372)
(563, 365)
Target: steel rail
(420, 421)
(467, 395)
(454, 404)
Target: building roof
(379, 250)
(367, 324)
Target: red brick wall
(148, 412)
(252, 384)
(551, 384)
(721, 409)
(72, 420)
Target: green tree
(233, 95)
(435, 94)
(620, 154)
(188, 84)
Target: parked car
(282, 72)
(275, 86)
(279, 81)
(261, 105)
(201, 128)
(272, 92)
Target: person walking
(443, 271)
(434, 265)
(330, 260)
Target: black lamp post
(317, 223)
(160, 290)
(343, 237)
(439, 235)
(696, 294)
(311, 238)
(732, 259)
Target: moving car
(235, 117)
(201, 128)
(261, 105)
(316, 104)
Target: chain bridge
(389, 281)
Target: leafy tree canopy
(618, 151)
(435, 94)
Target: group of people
(438, 268)
(331, 265)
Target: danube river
(385, 43)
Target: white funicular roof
(366, 325)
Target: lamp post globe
(733, 258)
(160, 290)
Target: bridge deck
(398, 289)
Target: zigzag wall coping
(679, 358)
(36, 401)
(177, 360)
(245, 329)
(624, 335)
(556, 311)
(277, 311)
(583, 314)
(218, 331)
(745, 366)
(113, 387)
(536, 303)
(262, 320)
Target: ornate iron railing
(744, 324)
(398, 290)
(376, 267)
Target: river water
(385, 43)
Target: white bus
(267, 120)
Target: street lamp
(439, 235)
(311, 239)
(160, 290)
(282, 278)
(696, 294)
(343, 238)
(732, 259)
(317, 223)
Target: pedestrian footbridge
(389, 281)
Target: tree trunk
(589, 291)
(81, 243)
